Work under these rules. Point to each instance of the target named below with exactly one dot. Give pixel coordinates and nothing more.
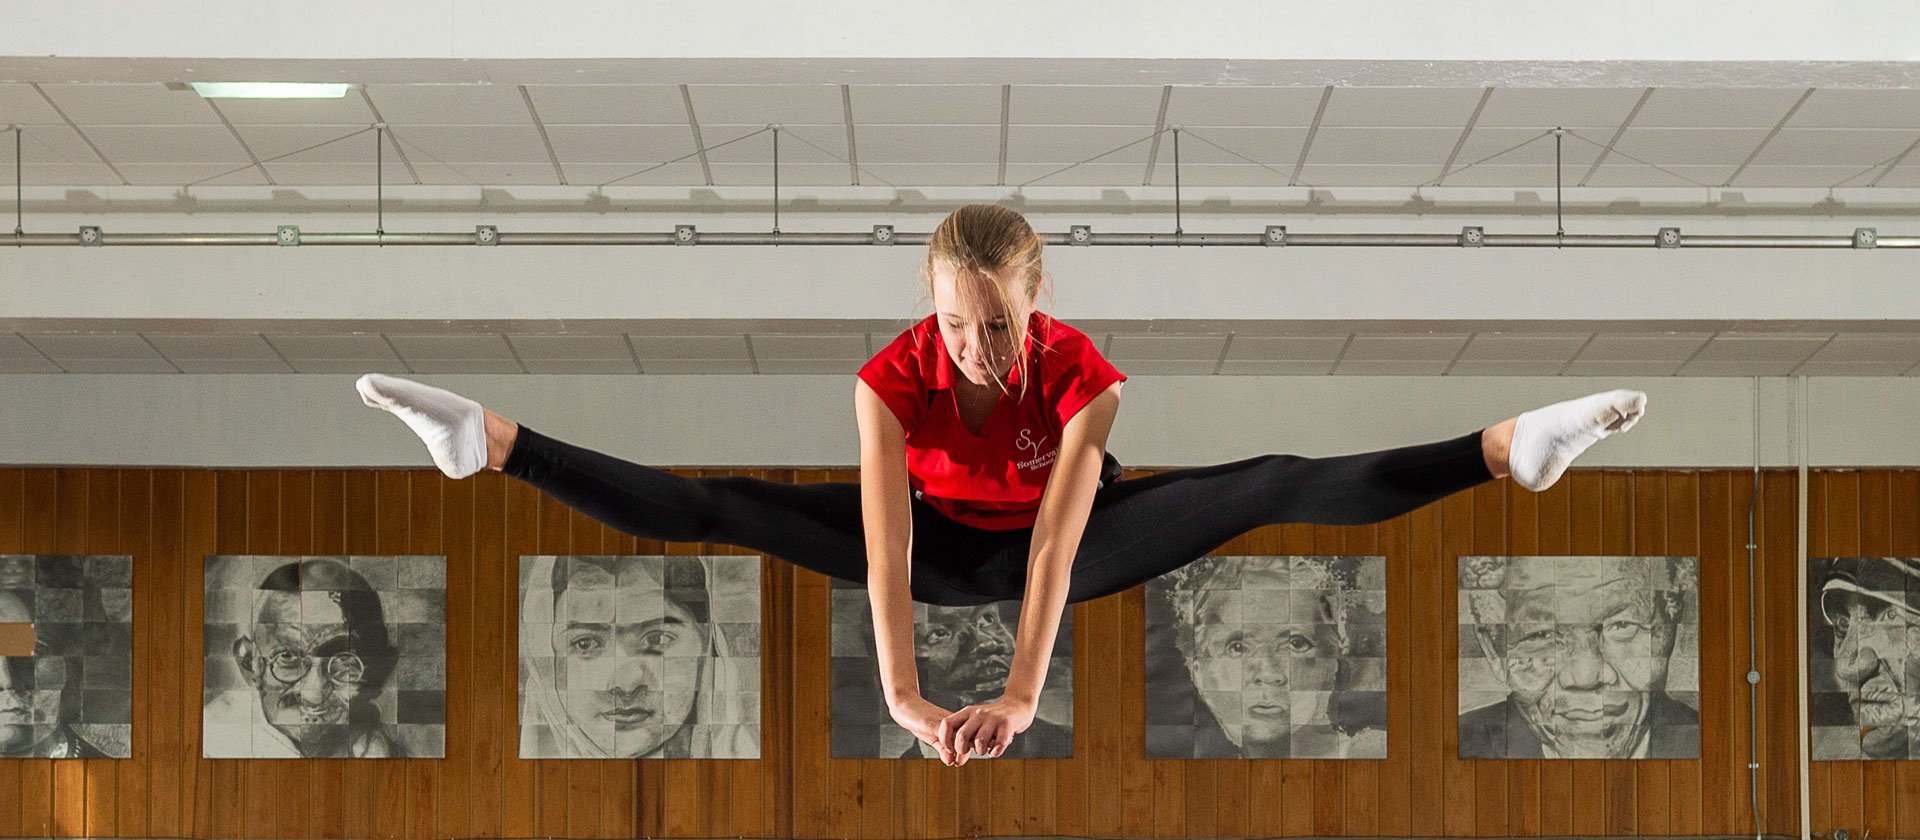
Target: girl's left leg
(1142, 528)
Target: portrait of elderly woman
(962, 656)
(325, 657)
(639, 657)
(67, 690)
(1864, 668)
(1579, 657)
(1268, 657)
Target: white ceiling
(971, 134)
(1452, 354)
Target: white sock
(1547, 439)
(453, 427)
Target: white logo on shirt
(1027, 443)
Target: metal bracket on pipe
(1276, 235)
(287, 235)
(883, 234)
(90, 235)
(1080, 235)
(1866, 238)
(1669, 237)
(486, 235)
(685, 235)
(1472, 237)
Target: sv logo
(1027, 442)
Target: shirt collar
(935, 367)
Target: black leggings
(1138, 530)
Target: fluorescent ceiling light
(271, 90)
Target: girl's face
(980, 339)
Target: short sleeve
(894, 374)
(1075, 374)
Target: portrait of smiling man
(1579, 657)
(325, 658)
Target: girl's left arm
(1061, 521)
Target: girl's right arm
(887, 511)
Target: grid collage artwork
(649, 656)
(1579, 657)
(325, 657)
(639, 656)
(72, 697)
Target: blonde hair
(981, 242)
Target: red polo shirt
(994, 479)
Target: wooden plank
(1490, 781)
(202, 789)
(262, 781)
(1683, 539)
(163, 573)
(1457, 777)
(1904, 541)
(424, 512)
(327, 536)
(518, 535)
(135, 492)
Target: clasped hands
(983, 728)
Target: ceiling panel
(1640, 347)
(342, 174)
(1323, 175)
(503, 174)
(1169, 367)
(1513, 348)
(1627, 174)
(35, 364)
(636, 144)
(608, 104)
(62, 347)
(233, 366)
(415, 348)
(1433, 107)
(1384, 146)
(460, 143)
(410, 105)
(139, 104)
(20, 103)
(357, 346)
(1805, 176)
(1263, 348)
(1600, 109)
(851, 346)
(760, 105)
(152, 365)
(1692, 146)
(653, 348)
(178, 346)
(1535, 146)
(1243, 106)
(569, 347)
(1136, 347)
(1130, 105)
(1854, 347)
(1835, 146)
(167, 143)
(49, 144)
(1072, 144)
(926, 104)
(927, 143)
(1442, 348)
(335, 143)
(753, 144)
(1716, 107)
(1727, 347)
(1837, 108)
(1236, 145)
(1621, 368)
